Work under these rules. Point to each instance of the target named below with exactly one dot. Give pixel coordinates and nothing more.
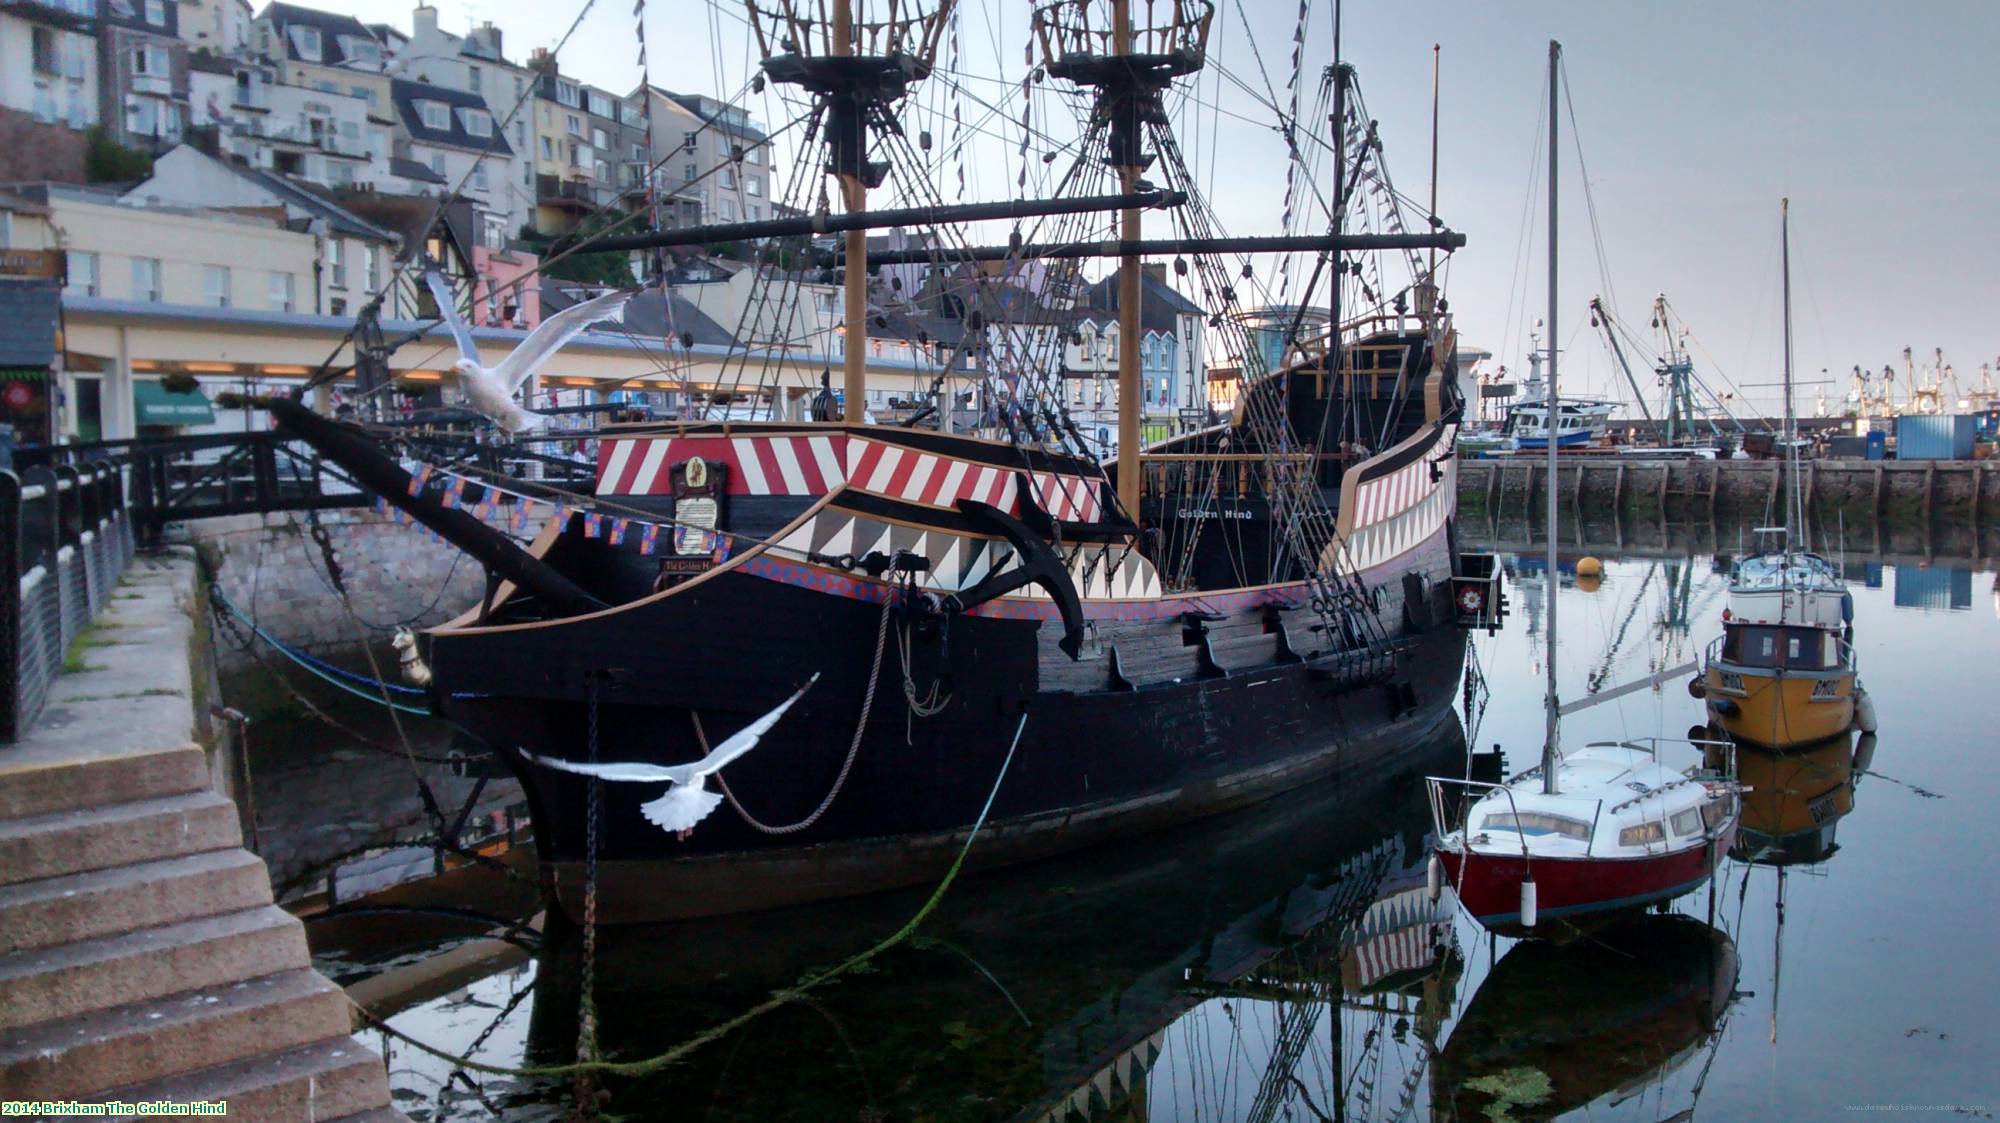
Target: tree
(607, 268)
(107, 161)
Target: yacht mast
(1554, 416)
(1795, 514)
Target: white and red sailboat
(1583, 837)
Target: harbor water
(1288, 962)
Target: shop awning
(159, 406)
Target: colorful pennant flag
(421, 477)
(618, 531)
(650, 540)
(593, 525)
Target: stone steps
(67, 842)
(84, 906)
(76, 978)
(308, 1084)
(79, 1056)
(141, 957)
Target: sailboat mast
(1131, 473)
(1549, 580)
(854, 196)
(1794, 506)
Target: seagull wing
(448, 308)
(554, 331)
(746, 738)
(636, 772)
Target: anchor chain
(589, 1094)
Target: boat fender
(1434, 879)
(1528, 903)
(1864, 711)
(1697, 688)
(1723, 707)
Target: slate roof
(406, 94)
(644, 314)
(331, 26)
(299, 195)
(407, 168)
(1159, 304)
(28, 318)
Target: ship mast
(1554, 417)
(856, 70)
(1131, 483)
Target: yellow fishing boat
(1782, 674)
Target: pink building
(506, 292)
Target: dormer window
(359, 49)
(436, 115)
(306, 43)
(478, 122)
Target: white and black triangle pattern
(961, 561)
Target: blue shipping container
(1878, 444)
(1943, 436)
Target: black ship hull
(1143, 733)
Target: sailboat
(1584, 837)
(1003, 636)
(1783, 673)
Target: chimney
(423, 22)
(541, 61)
(1157, 270)
(487, 38)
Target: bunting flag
(649, 540)
(593, 525)
(454, 492)
(381, 505)
(562, 516)
(420, 478)
(519, 521)
(618, 531)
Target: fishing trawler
(1584, 837)
(1580, 422)
(1783, 672)
(894, 637)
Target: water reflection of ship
(1796, 800)
(1053, 991)
(1553, 1027)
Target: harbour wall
(272, 568)
(1728, 490)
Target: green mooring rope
(778, 997)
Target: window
(520, 136)
(1537, 823)
(435, 114)
(1687, 822)
(82, 271)
(600, 104)
(358, 49)
(437, 162)
(575, 124)
(687, 139)
(722, 146)
(368, 264)
(520, 87)
(281, 292)
(472, 78)
(7, 230)
(754, 212)
(729, 179)
(305, 42)
(478, 122)
(599, 139)
(336, 263)
(479, 176)
(146, 278)
(1643, 834)
(215, 285)
(692, 172)
(754, 154)
(566, 92)
(337, 306)
(152, 61)
(728, 210)
(46, 59)
(548, 148)
(365, 93)
(753, 185)
(156, 12)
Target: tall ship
(876, 641)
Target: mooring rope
(359, 685)
(780, 997)
(853, 747)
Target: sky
(1692, 119)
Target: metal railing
(65, 537)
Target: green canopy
(160, 406)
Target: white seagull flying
(491, 390)
(688, 801)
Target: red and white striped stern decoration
(815, 465)
(770, 465)
(1385, 497)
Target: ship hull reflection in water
(1555, 1027)
(1796, 800)
(1052, 992)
